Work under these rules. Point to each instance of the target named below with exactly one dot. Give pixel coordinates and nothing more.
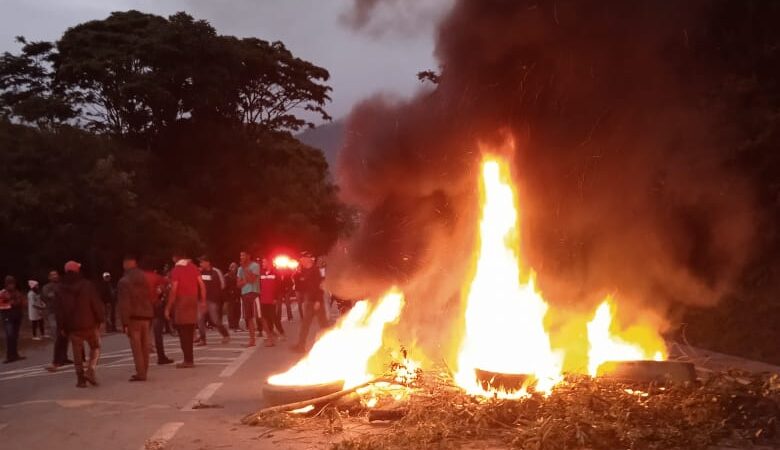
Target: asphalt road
(41, 410)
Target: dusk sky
(383, 57)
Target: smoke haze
(622, 168)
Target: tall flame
(635, 343)
(343, 352)
(504, 315)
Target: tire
(280, 395)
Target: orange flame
(635, 343)
(504, 315)
(343, 352)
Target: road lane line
(203, 396)
(161, 437)
(233, 367)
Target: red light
(285, 262)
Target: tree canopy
(140, 133)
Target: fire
(504, 314)
(343, 352)
(635, 343)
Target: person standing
(11, 307)
(36, 309)
(214, 282)
(186, 295)
(232, 298)
(108, 295)
(135, 300)
(81, 314)
(51, 295)
(248, 280)
(269, 298)
(157, 286)
(308, 285)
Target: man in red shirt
(269, 295)
(187, 295)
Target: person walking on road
(108, 295)
(135, 300)
(232, 298)
(214, 283)
(269, 298)
(186, 295)
(81, 314)
(157, 285)
(36, 309)
(308, 285)
(248, 280)
(11, 307)
(51, 295)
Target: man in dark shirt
(11, 306)
(135, 301)
(108, 295)
(308, 286)
(81, 315)
(215, 283)
(232, 298)
(50, 294)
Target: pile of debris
(725, 410)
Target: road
(40, 410)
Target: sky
(385, 56)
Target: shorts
(267, 311)
(248, 305)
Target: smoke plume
(622, 167)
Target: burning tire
(280, 395)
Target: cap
(72, 266)
(32, 284)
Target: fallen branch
(253, 417)
(386, 414)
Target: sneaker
(46, 336)
(82, 383)
(67, 362)
(185, 365)
(200, 343)
(10, 360)
(268, 343)
(162, 362)
(52, 367)
(251, 343)
(136, 378)
(282, 337)
(37, 338)
(226, 340)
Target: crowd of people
(184, 299)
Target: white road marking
(233, 367)
(161, 437)
(203, 396)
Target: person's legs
(93, 340)
(60, 347)
(305, 324)
(268, 313)
(145, 342)
(77, 344)
(186, 332)
(286, 300)
(34, 324)
(278, 317)
(134, 336)
(248, 308)
(202, 313)
(12, 325)
(233, 313)
(158, 327)
(215, 312)
(321, 313)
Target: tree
(140, 73)
(28, 91)
(69, 194)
